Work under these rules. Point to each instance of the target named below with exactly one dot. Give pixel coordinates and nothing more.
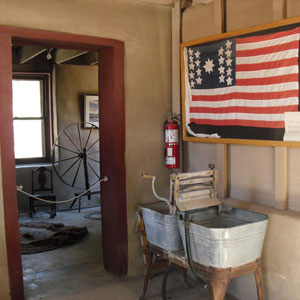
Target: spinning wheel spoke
(97, 161)
(87, 140)
(79, 134)
(70, 168)
(92, 145)
(93, 170)
(65, 149)
(75, 145)
(71, 140)
(58, 161)
(75, 177)
(94, 152)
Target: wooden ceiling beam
(26, 53)
(63, 55)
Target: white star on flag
(221, 69)
(199, 80)
(229, 81)
(197, 62)
(197, 54)
(190, 52)
(198, 71)
(192, 66)
(222, 78)
(192, 84)
(229, 72)
(221, 51)
(192, 75)
(209, 65)
(228, 61)
(190, 58)
(228, 53)
(228, 44)
(221, 60)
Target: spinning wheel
(76, 152)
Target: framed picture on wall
(91, 110)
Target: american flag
(248, 81)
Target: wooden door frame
(112, 144)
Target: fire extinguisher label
(171, 136)
(170, 152)
(170, 160)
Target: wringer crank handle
(148, 176)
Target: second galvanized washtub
(231, 239)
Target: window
(32, 117)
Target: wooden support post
(279, 9)
(281, 178)
(176, 40)
(222, 167)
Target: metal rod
(66, 149)
(79, 136)
(71, 140)
(94, 152)
(74, 180)
(88, 137)
(58, 161)
(93, 170)
(97, 161)
(92, 145)
(70, 168)
(86, 173)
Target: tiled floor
(76, 272)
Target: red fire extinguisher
(171, 133)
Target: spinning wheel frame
(81, 154)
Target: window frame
(47, 132)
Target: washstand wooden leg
(258, 279)
(218, 288)
(149, 259)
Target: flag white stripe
(238, 116)
(268, 43)
(267, 57)
(247, 103)
(267, 73)
(247, 89)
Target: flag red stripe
(244, 109)
(268, 50)
(248, 123)
(268, 65)
(267, 80)
(267, 37)
(247, 96)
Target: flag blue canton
(212, 66)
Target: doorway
(112, 144)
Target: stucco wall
(146, 31)
(251, 168)
(72, 82)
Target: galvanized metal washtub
(161, 227)
(232, 238)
